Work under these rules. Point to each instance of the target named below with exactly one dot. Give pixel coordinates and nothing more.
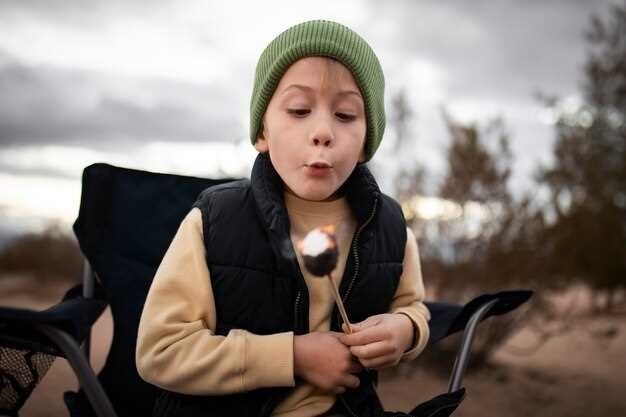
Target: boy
(233, 324)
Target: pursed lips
(318, 168)
(319, 164)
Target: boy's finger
(339, 390)
(372, 350)
(380, 362)
(355, 367)
(363, 337)
(353, 328)
(368, 322)
(350, 381)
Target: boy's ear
(261, 145)
(261, 142)
(362, 155)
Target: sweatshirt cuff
(268, 361)
(421, 332)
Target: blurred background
(505, 143)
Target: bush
(50, 255)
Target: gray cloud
(493, 49)
(83, 14)
(49, 172)
(499, 52)
(46, 104)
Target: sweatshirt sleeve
(409, 297)
(176, 345)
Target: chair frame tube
(86, 377)
(462, 358)
(89, 285)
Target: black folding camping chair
(126, 222)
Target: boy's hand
(379, 341)
(321, 359)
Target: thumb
(355, 327)
(351, 329)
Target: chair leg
(462, 358)
(86, 376)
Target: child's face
(314, 127)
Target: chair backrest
(126, 222)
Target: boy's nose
(322, 134)
(325, 142)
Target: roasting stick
(342, 309)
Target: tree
(488, 245)
(587, 182)
(476, 173)
(408, 175)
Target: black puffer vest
(258, 285)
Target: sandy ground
(580, 373)
(571, 375)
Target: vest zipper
(348, 409)
(355, 251)
(295, 310)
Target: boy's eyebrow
(308, 89)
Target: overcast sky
(165, 85)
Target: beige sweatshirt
(178, 350)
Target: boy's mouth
(318, 168)
(319, 164)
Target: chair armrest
(471, 315)
(25, 339)
(447, 319)
(462, 358)
(74, 315)
(85, 374)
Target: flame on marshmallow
(318, 240)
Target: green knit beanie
(322, 38)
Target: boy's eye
(299, 112)
(345, 116)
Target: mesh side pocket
(20, 372)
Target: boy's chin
(314, 195)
